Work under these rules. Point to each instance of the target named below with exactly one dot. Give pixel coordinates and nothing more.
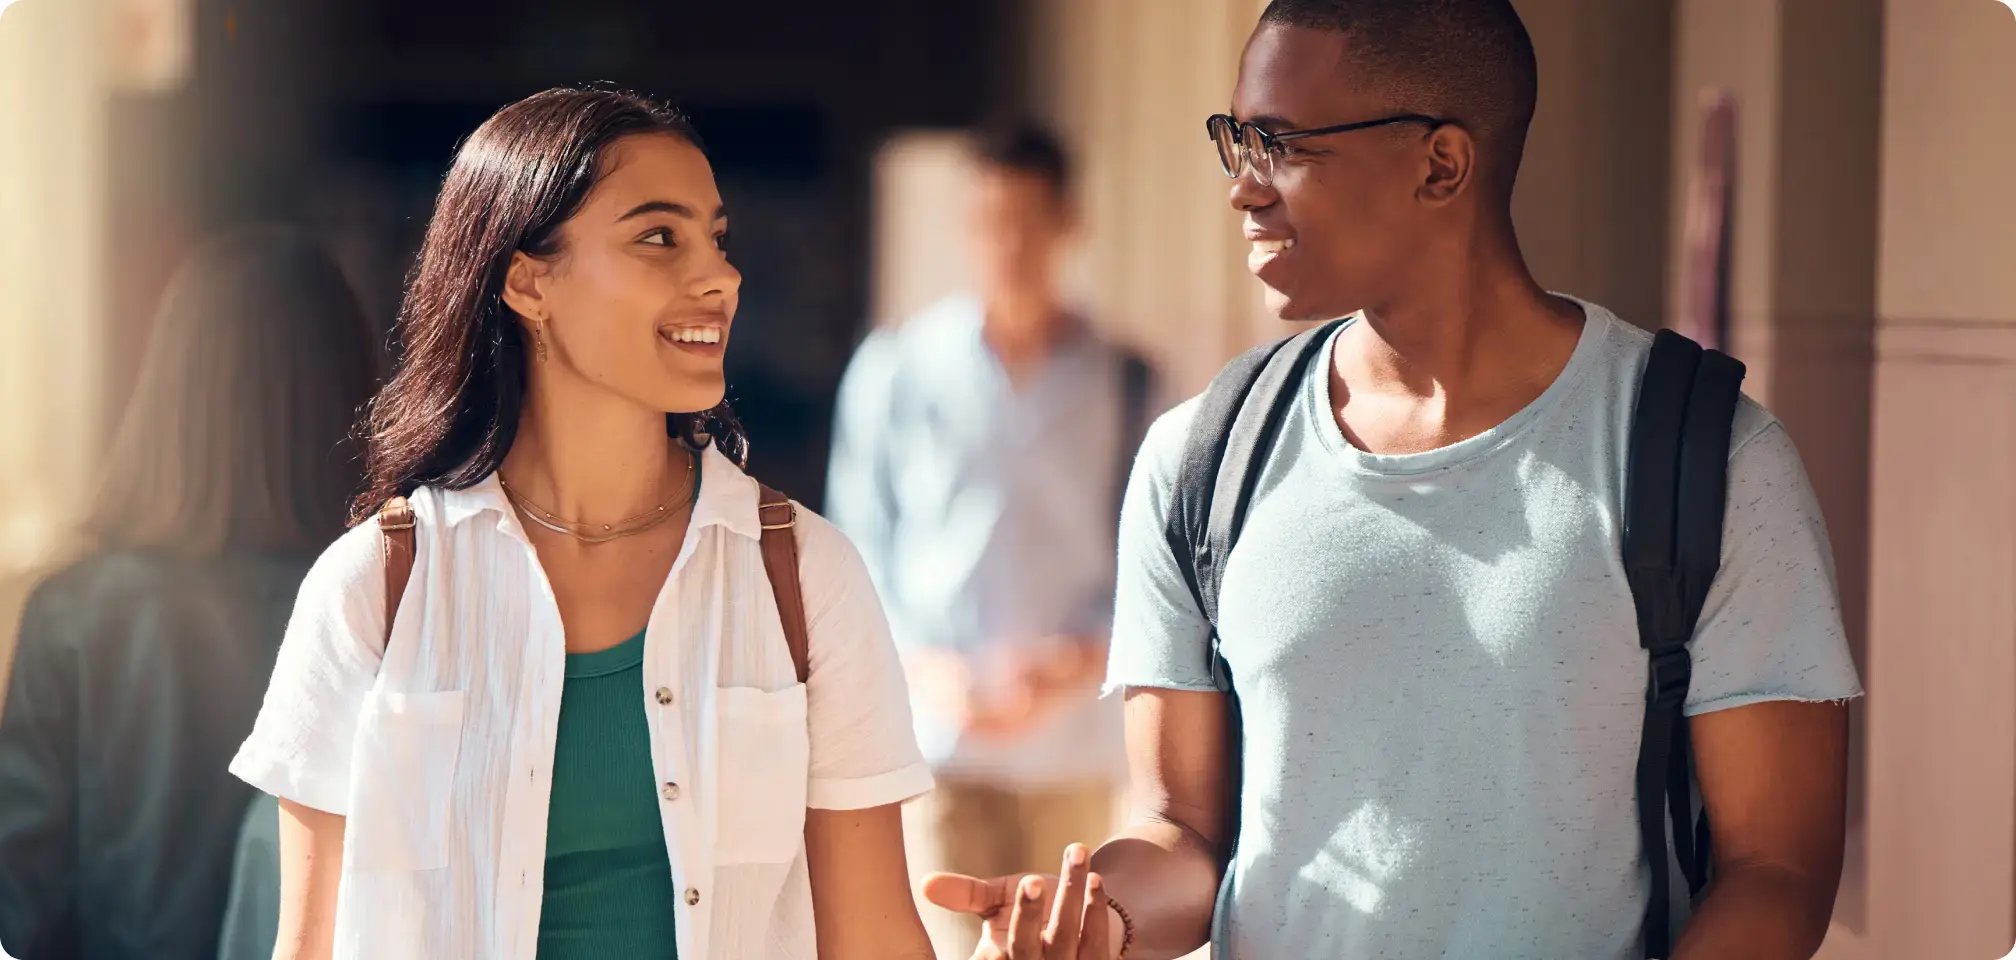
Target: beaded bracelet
(1126, 928)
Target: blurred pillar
(921, 251)
(1591, 204)
(1129, 83)
(1942, 655)
(51, 278)
(1804, 76)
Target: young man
(1426, 616)
(976, 464)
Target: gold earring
(539, 338)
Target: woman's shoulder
(823, 550)
(351, 567)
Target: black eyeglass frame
(1270, 143)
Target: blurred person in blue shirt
(979, 454)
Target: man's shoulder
(953, 316)
(1162, 446)
(917, 339)
(1629, 349)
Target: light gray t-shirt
(1439, 667)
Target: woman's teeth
(695, 335)
(1272, 246)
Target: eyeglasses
(1243, 145)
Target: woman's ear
(524, 288)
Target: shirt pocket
(403, 788)
(764, 756)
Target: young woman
(585, 736)
(141, 664)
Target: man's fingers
(1025, 928)
(1097, 941)
(1068, 913)
(963, 894)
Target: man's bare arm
(1774, 778)
(1164, 866)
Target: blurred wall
(1942, 715)
(921, 252)
(1590, 206)
(1805, 78)
(1129, 82)
(51, 279)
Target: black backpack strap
(1203, 451)
(1253, 434)
(1136, 381)
(1676, 488)
(1236, 424)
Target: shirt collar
(727, 499)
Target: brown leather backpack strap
(778, 516)
(395, 536)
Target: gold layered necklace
(603, 532)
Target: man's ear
(1451, 165)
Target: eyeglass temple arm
(1348, 127)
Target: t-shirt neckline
(1317, 405)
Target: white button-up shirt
(439, 749)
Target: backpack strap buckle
(1672, 672)
(790, 514)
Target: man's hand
(943, 680)
(1031, 917)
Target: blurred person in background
(140, 667)
(979, 454)
(582, 733)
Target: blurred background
(1822, 183)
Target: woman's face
(639, 300)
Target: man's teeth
(1271, 246)
(696, 335)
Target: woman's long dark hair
(236, 437)
(451, 409)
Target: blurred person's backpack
(1675, 487)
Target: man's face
(1019, 226)
(1341, 215)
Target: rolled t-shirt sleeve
(300, 746)
(1771, 628)
(1160, 637)
(864, 745)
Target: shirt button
(670, 791)
(664, 696)
(692, 897)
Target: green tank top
(609, 889)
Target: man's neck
(1462, 335)
(1024, 329)
(1431, 370)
